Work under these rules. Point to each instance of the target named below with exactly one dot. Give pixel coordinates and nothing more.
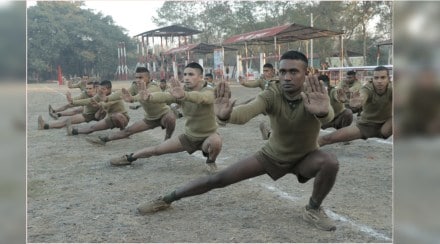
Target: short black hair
(351, 72)
(295, 55)
(141, 69)
(163, 81)
(96, 83)
(209, 75)
(268, 65)
(195, 65)
(106, 83)
(380, 68)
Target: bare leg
(171, 145)
(241, 170)
(342, 135)
(212, 145)
(137, 127)
(75, 119)
(169, 122)
(70, 112)
(323, 167)
(62, 108)
(87, 129)
(387, 128)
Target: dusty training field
(73, 195)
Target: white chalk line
(363, 228)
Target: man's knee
(215, 144)
(329, 163)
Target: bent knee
(329, 162)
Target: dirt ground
(73, 195)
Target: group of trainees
(297, 105)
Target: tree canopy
(221, 19)
(79, 40)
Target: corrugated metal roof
(283, 33)
(172, 30)
(198, 48)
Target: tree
(80, 41)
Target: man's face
(85, 79)
(292, 75)
(163, 85)
(351, 79)
(142, 77)
(105, 90)
(91, 90)
(192, 78)
(208, 79)
(380, 81)
(268, 72)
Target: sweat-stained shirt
(294, 130)
(153, 111)
(197, 108)
(377, 108)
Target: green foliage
(219, 20)
(80, 41)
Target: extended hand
(355, 100)
(176, 89)
(315, 96)
(341, 96)
(144, 95)
(126, 96)
(95, 103)
(69, 97)
(222, 105)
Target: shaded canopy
(198, 48)
(172, 30)
(283, 33)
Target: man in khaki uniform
(80, 84)
(375, 98)
(116, 115)
(343, 116)
(295, 117)
(350, 85)
(156, 114)
(87, 114)
(197, 104)
(264, 81)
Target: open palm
(223, 105)
(315, 96)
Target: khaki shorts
(192, 144)
(369, 130)
(89, 117)
(111, 124)
(153, 123)
(275, 169)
